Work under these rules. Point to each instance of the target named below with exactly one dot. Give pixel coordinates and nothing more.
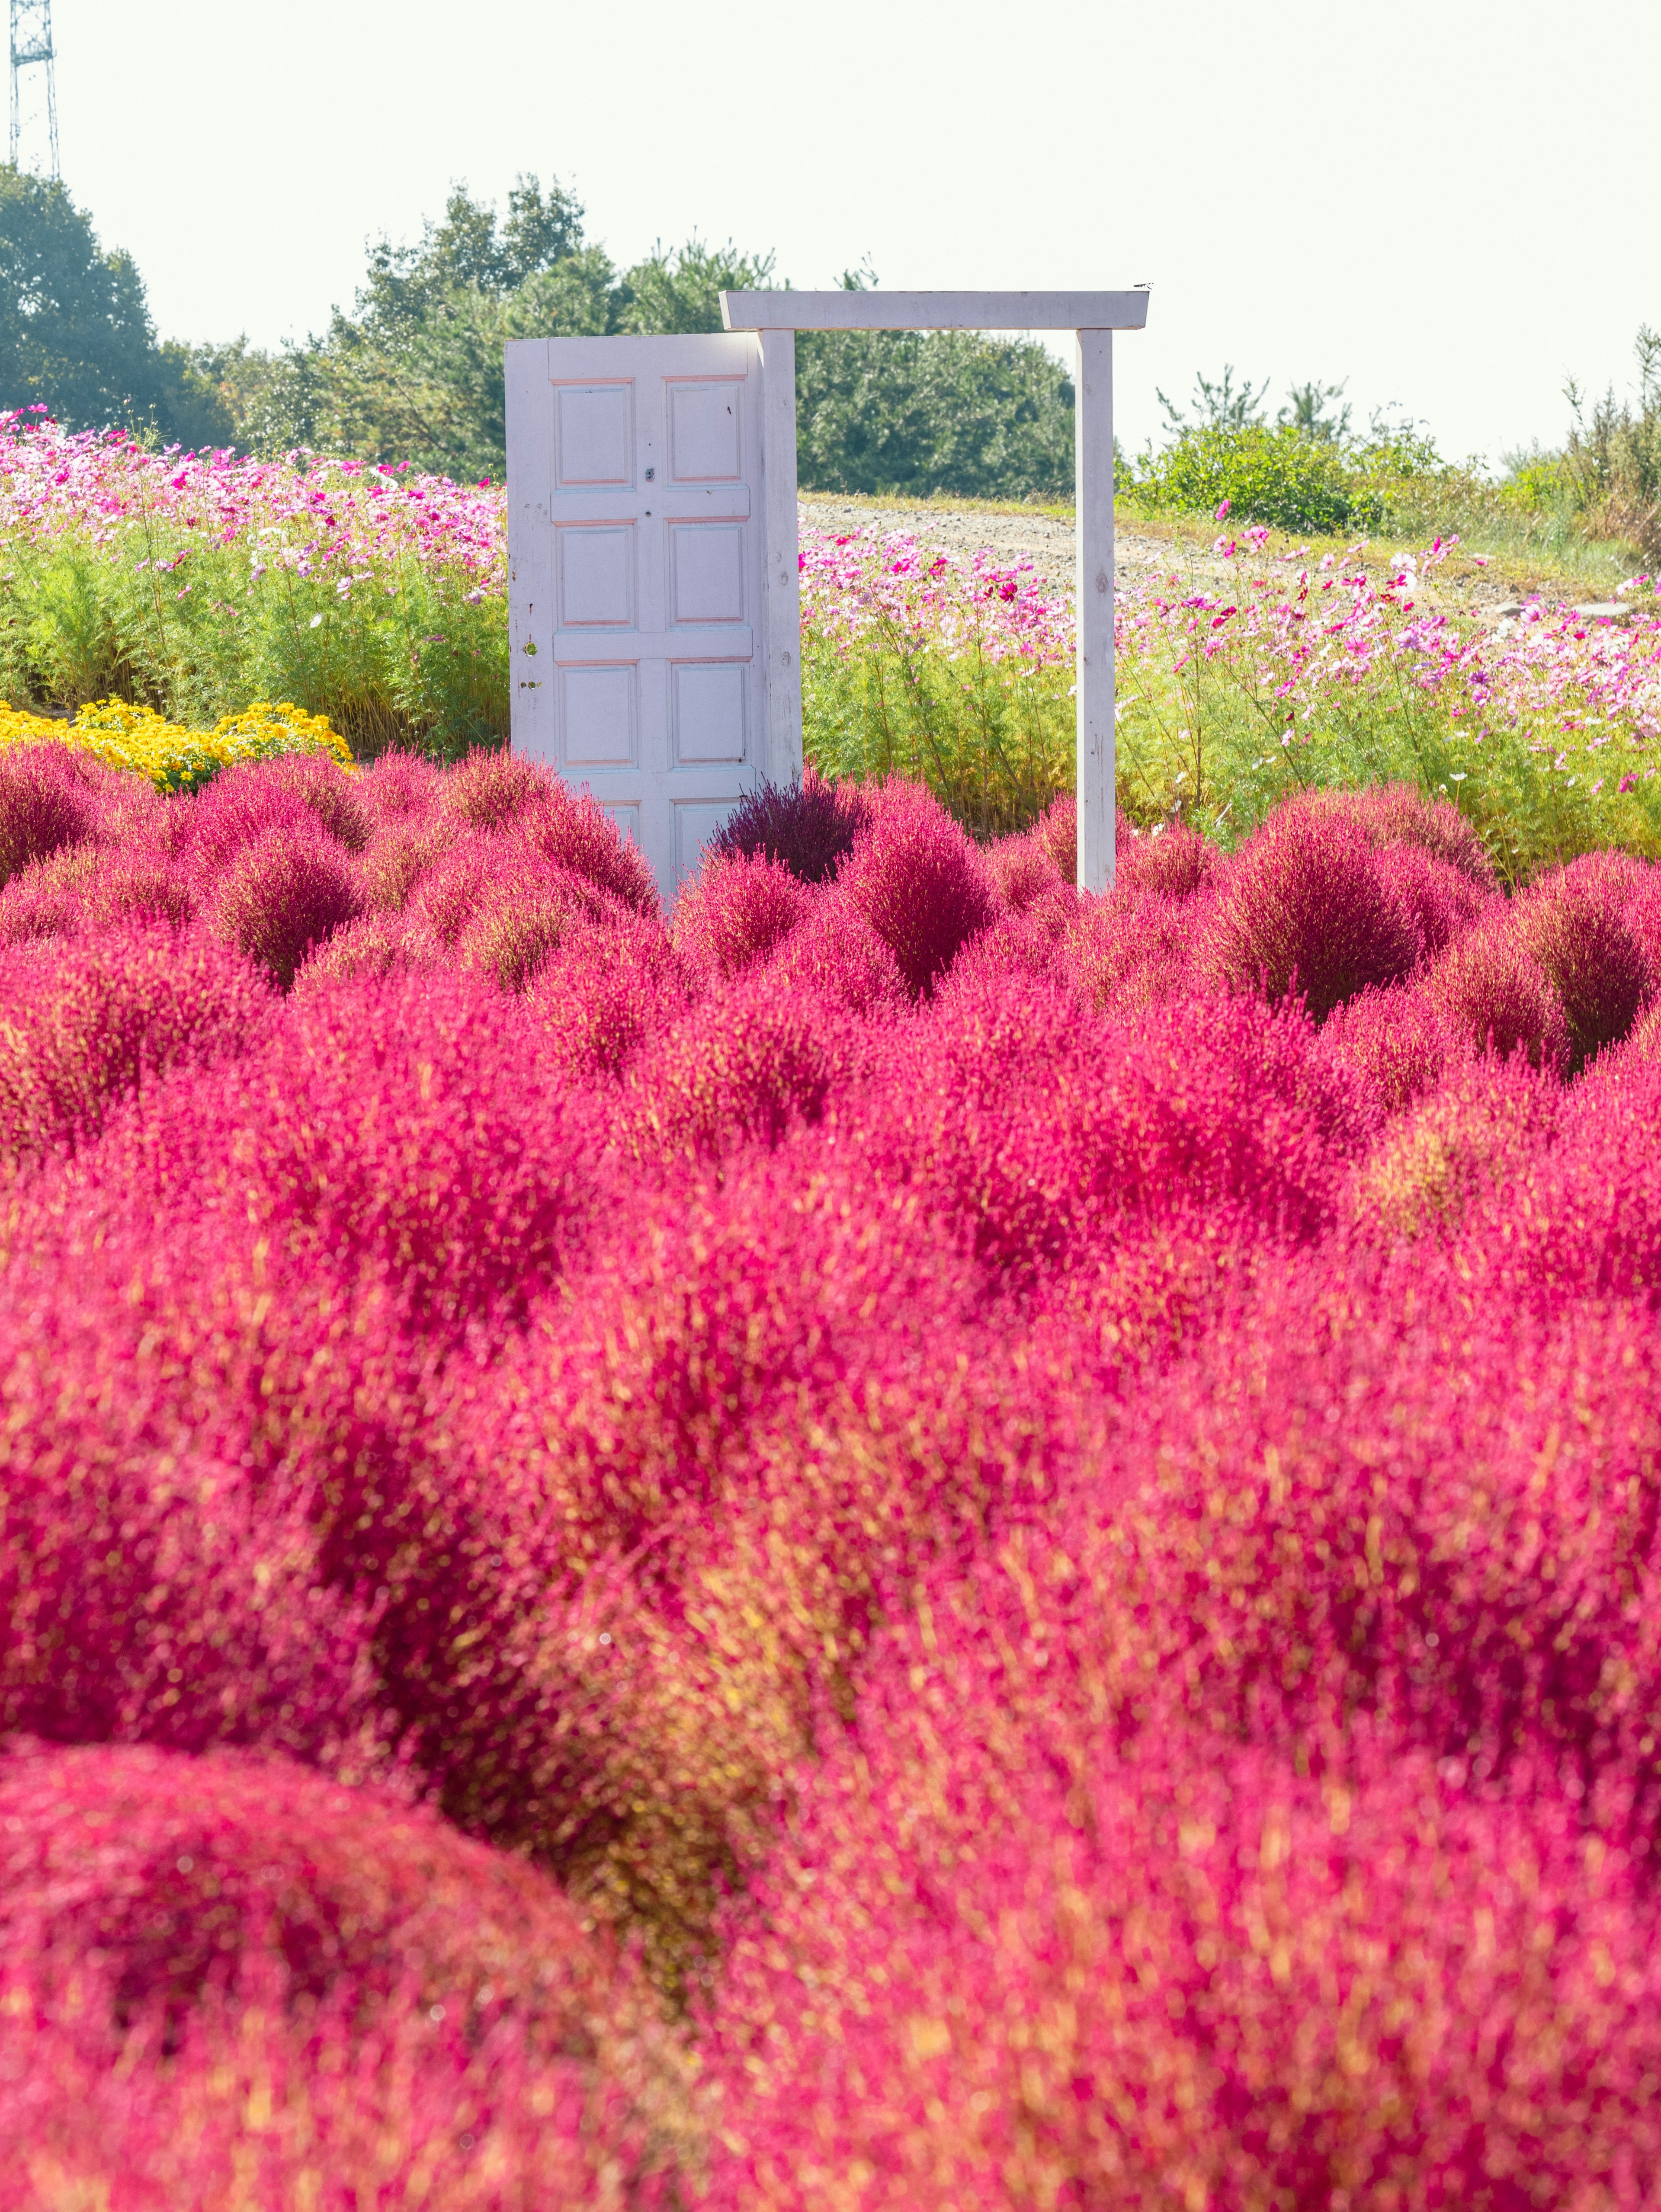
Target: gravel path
(1460, 587)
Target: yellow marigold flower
(175, 758)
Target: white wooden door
(637, 593)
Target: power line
(32, 48)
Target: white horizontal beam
(785, 310)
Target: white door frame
(1093, 316)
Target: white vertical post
(1093, 472)
(781, 616)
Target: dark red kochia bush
(736, 912)
(916, 877)
(806, 826)
(50, 797)
(282, 893)
(1185, 1976)
(86, 1026)
(1308, 908)
(165, 1910)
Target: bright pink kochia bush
(1400, 1042)
(1186, 1976)
(1573, 924)
(752, 1061)
(150, 1594)
(1175, 861)
(916, 877)
(1130, 949)
(528, 907)
(182, 1871)
(1023, 871)
(89, 887)
(50, 797)
(1396, 816)
(1309, 908)
(374, 945)
(1035, 1128)
(399, 787)
(614, 986)
(282, 895)
(89, 1024)
(836, 956)
(399, 856)
(1443, 901)
(490, 792)
(245, 804)
(247, 1913)
(397, 1134)
(737, 911)
(1493, 992)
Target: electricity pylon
(31, 48)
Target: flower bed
(371, 596)
(898, 1541)
(1297, 672)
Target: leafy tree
(918, 412)
(415, 372)
(76, 334)
(1217, 406)
(1310, 414)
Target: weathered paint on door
(637, 577)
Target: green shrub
(1277, 476)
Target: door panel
(638, 577)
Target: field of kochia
(895, 1542)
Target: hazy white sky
(1450, 202)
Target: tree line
(414, 372)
